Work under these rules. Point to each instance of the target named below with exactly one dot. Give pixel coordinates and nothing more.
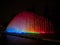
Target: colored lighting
(28, 22)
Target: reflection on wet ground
(19, 40)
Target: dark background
(46, 8)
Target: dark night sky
(46, 8)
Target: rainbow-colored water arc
(28, 22)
